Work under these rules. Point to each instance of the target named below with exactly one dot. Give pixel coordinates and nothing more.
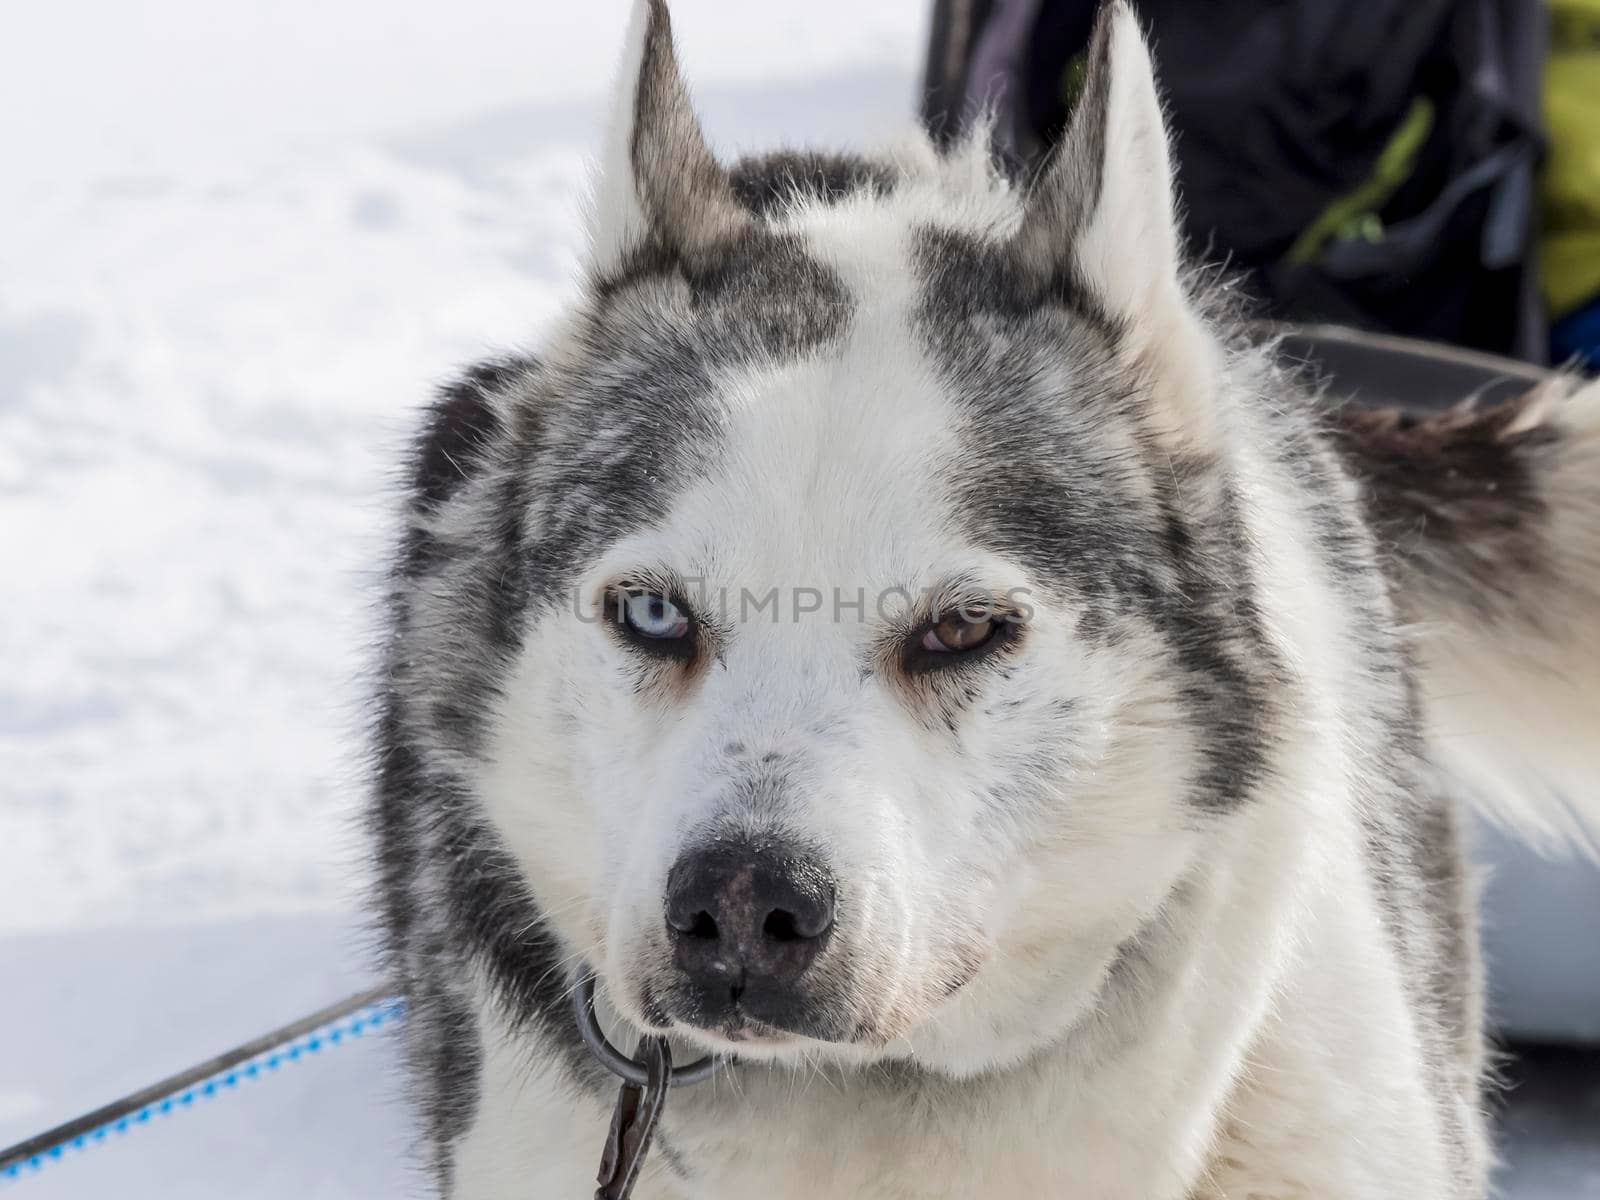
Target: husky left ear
(657, 181)
(1102, 218)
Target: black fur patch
(758, 290)
(459, 429)
(756, 273)
(1213, 623)
(1085, 142)
(444, 1049)
(968, 277)
(1453, 496)
(1415, 859)
(475, 908)
(491, 904)
(1070, 183)
(765, 183)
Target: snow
(238, 245)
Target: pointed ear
(1103, 217)
(657, 181)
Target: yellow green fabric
(1355, 214)
(1569, 242)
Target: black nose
(747, 915)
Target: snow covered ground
(238, 244)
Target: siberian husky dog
(901, 636)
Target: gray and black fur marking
(1454, 495)
(1111, 530)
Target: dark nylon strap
(634, 1121)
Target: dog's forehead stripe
(639, 417)
(1040, 477)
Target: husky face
(865, 639)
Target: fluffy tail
(1491, 521)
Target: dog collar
(646, 1078)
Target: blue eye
(654, 616)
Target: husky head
(872, 643)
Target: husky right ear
(1102, 220)
(657, 182)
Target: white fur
(615, 217)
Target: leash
(646, 1077)
(256, 1059)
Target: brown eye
(957, 635)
